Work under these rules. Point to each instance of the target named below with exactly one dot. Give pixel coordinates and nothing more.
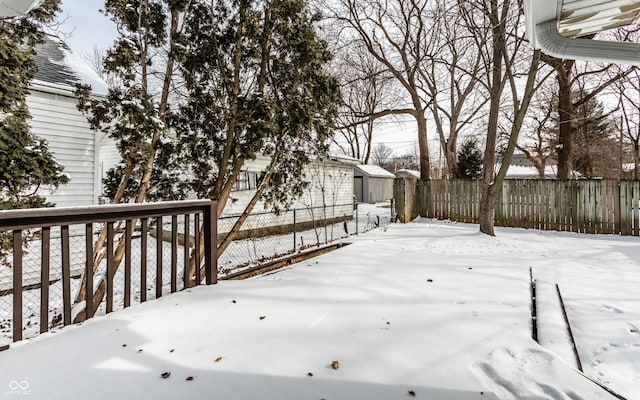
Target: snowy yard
(429, 310)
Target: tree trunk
(487, 210)
(636, 159)
(541, 166)
(423, 145)
(491, 190)
(451, 158)
(487, 199)
(566, 134)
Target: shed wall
(378, 189)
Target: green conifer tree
(257, 83)
(26, 164)
(469, 160)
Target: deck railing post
(17, 285)
(210, 243)
(66, 275)
(127, 262)
(158, 257)
(110, 268)
(196, 247)
(88, 269)
(186, 246)
(174, 253)
(45, 257)
(143, 259)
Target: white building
(372, 184)
(56, 119)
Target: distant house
(524, 172)
(56, 119)
(523, 168)
(372, 184)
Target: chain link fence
(267, 236)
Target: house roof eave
(64, 90)
(543, 18)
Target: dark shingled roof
(51, 66)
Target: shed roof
(408, 172)
(57, 65)
(374, 171)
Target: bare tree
(497, 27)
(408, 160)
(568, 74)
(95, 59)
(381, 155)
(628, 90)
(367, 89)
(453, 80)
(595, 143)
(398, 35)
(541, 136)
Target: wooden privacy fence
(49, 230)
(588, 206)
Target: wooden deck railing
(18, 222)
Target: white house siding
(108, 157)
(331, 186)
(56, 119)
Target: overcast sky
(83, 26)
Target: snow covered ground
(430, 310)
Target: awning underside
(585, 17)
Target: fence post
(399, 193)
(356, 210)
(392, 211)
(295, 239)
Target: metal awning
(558, 27)
(585, 17)
(12, 8)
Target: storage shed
(372, 184)
(56, 119)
